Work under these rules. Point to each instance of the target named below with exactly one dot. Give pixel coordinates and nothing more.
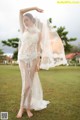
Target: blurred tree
(1, 52)
(15, 54)
(63, 35)
(12, 43)
(75, 48)
(2, 57)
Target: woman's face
(27, 21)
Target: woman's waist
(28, 48)
(27, 54)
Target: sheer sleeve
(21, 22)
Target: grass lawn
(61, 86)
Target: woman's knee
(27, 88)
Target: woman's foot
(20, 113)
(29, 113)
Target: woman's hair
(30, 17)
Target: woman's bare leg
(32, 72)
(26, 86)
(21, 110)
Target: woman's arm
(22, 11)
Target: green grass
(61, 86)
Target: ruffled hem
(38, 105)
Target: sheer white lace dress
(32, 94)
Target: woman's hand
(39, 10)
(38, 64)
(37, 67)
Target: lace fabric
(28, 49)
(32, 93)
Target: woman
(29, 61)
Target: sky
(62, 14)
